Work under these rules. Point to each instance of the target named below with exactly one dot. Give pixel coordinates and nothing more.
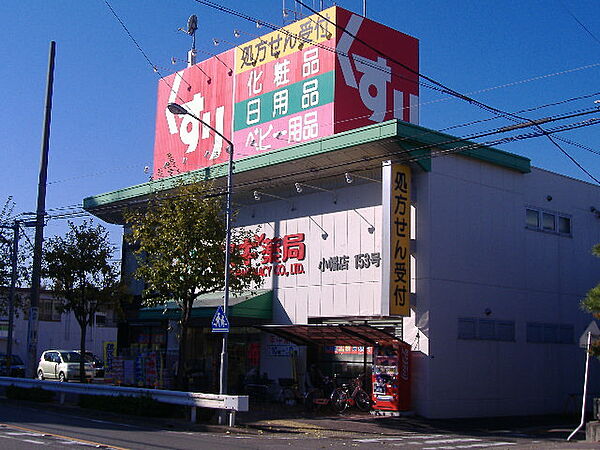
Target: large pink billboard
(305, 81)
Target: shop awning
(338, 334)
(256, 304)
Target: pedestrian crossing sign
(219, 323)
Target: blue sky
(511, 55)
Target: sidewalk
(275, 418)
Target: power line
(533, 108)
(580, 23)
(456, 126)
(237, 13)
(540, 77)
(577, 144)
(94, 174)
(130, 35)
(439, 85)
(138, 46)
(405, 154)
(458, 94)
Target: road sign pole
(585, 378)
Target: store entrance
(204, 355)
(347, 352)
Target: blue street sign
(219, 323)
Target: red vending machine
(391, 376)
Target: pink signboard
(305, 81)
(376, 74)
(181, 142)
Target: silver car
(62, 365)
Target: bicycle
(351, 394)
(319, 396)
(289, 393)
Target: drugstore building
(467, 253)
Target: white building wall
(481, 257)
(59, 335)
(331, 229)
(474, 259)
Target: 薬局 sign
(305, 81)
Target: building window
(471, 328)
(100, 320)
(564, 225)
(550, 333)
(505, 330)
(49, 311)
(547, 221)
(467, 328)
(533, 218)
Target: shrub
(35, 394)
(138, 406)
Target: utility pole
(11, 295)
(32, 328)
(14, 254)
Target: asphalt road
(27, 426)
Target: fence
(230, 403)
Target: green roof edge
(257, 307)
(417, 140)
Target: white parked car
(62, 365)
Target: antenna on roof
(192, 26)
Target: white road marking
(32, 441)
(478, 445)
(400, 438)
(18, 436)
(22, 433)
(487, 444)
(451, 441)
(112, 423)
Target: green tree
(6, 240)
(591, 303)
(179, 239)
(7, 223)
(82, 275)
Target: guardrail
(230, 403)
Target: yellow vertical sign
(110, 352)
(399, 276)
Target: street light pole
(175, 108)
(14, 254)
(11, 295)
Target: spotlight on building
(298, 187)
(257, 195)
(236, 33)
(349, 178)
